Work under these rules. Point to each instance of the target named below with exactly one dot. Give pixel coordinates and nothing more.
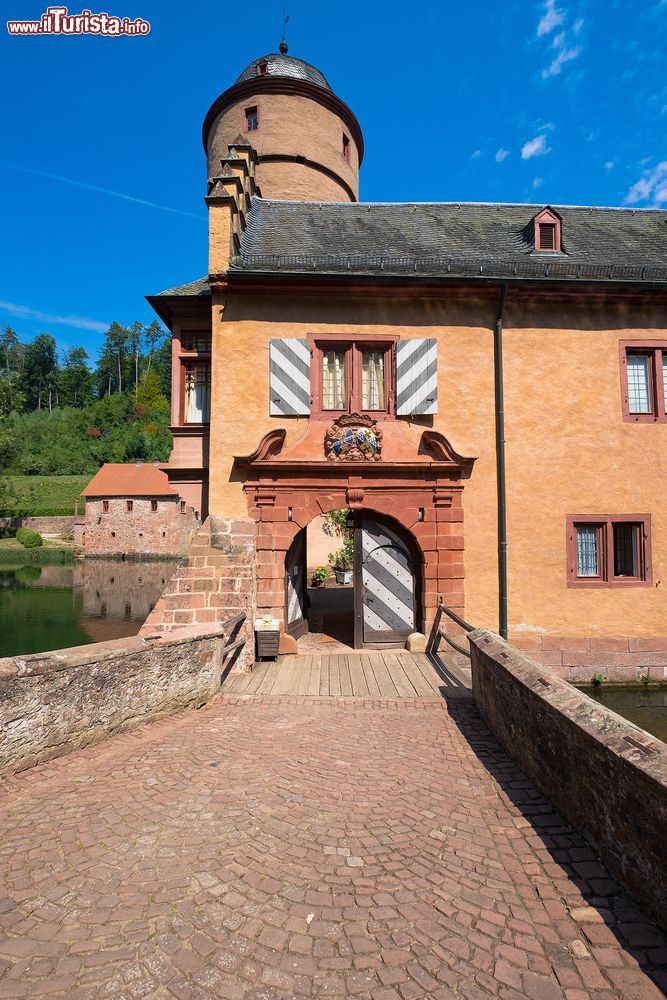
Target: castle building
(484, 386)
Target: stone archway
(424, 495)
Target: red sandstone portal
(422, 495)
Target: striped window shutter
(289, 378)
(416, 377)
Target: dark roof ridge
(449, 204)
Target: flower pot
(315, 583)
(343, 576)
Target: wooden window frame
(605, 526)
(654, 351)
(246, 122)
(353, 348)
(551, 219)
(189, 359)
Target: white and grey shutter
(289, 378)
(416, 377)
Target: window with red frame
(197, 392)
(353, 378)
(644, 381)
(196, 342)
(609, 551)
(251, 119)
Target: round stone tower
(309, 142)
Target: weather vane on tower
(283, 43)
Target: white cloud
(537, 183)
(476, 155)
(556, 65)
(26, 312)
(651, 187)
(551, 18)
(535, 147)
(501, 155)
(609, 165)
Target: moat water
(53, 607)
(647, 708)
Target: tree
(112, 364)
(135, 336)
(11, 352)
(75, 378)
(153, 334)
(39, 371)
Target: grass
(40, 496)
(49, 554)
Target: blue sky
(103, 173)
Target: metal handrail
(436, 635)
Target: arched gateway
(387, 580)
(408, 521)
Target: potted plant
(267, 636)
(342, 561)
(319, 576)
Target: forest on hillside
(66, 414)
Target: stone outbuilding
(133, 510)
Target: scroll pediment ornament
(269, 447)
(353, 437)
(438, 447)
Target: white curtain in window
(333, 380)
(197, 395)
(587, 552)
(638, 384)
(372, 381)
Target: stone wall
(620, 660)
(140, 531)
(607, 776)
(63, 525)
(53, 703)
(214, 582)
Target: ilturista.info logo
(58, 21)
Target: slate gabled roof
(424, 239)
(192, 288)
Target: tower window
(346, 146)
(262, 68)
(547, 232)
(251, 120)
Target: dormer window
(262, 68)
(547, 232)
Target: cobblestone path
(267, 848)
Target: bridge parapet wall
(53, 703)
(607, 776)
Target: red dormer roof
(124, 480)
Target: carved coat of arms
(354, 437)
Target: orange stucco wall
(568, 450)
(293, 126)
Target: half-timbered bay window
(323, 377)
(609, 551)
(644, 381)
(197, 395)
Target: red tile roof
(136, 480)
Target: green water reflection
(647, 708)
(53, 607)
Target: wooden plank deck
(365, 674)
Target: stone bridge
(326, 827)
